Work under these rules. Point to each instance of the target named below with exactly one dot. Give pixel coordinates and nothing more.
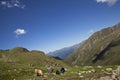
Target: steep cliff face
(102, 48)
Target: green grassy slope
(20, 63)
(23, 56)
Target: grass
(18, 68)
(15, 63)
(11, 71)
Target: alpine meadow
(59, 39)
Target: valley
(97, 58)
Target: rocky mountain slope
(64, 52)
(102, 48)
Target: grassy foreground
(11, 71)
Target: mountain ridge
(96, 48)
(22, 56)
(64, 52)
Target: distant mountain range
(102, 48)
(64, 52)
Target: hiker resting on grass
(50, 69)
(57, 72)
(62, 70)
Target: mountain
(102, 48)
(64, 52)
(19, 64)
(22, 56)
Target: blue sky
(49, 25)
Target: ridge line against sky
(50, 25)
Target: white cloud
(109, 2)
(20, 32)
(12, 3)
